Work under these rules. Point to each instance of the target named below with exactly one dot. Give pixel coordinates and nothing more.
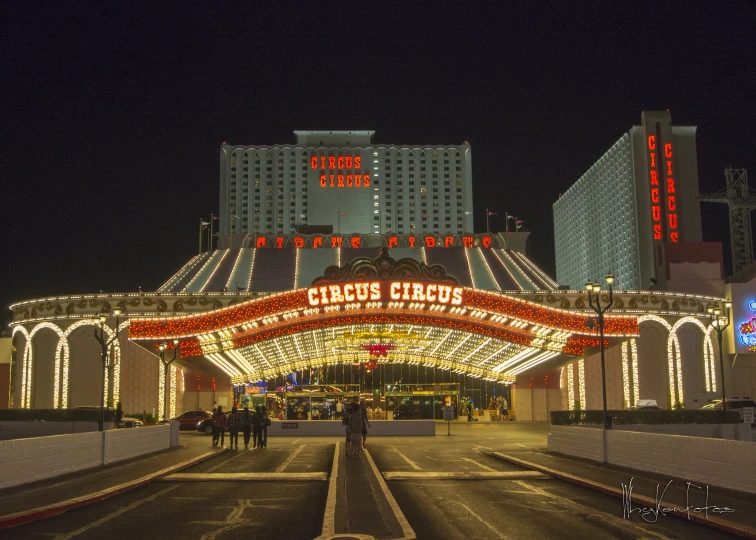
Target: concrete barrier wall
(723, 463)
(735, 432)
(121, 444)
(29, 460)
(325, 428)
(23, 430)
(38, 458)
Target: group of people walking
(355, 418)
(249, 423)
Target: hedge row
(698, 416)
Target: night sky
(112, 116)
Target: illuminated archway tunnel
(417, 319)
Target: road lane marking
(288, 461)
(247, 477)
(329, 518)
(493, 529)
(398, 514)
(117, 513)
(405, 458)
(484, 467)
(222, 463)
(464, 475)
(614, 520)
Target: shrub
(627, 417)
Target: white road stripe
(247, 477)
(405, 458)
(464, 475)
(115, 514)
(484, 467)
(406, 529)
(329, 518)
(290, 459)
(493, 529)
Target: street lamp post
(717, 321)
(105, 343)
(595, 289)
(166, 366)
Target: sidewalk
(610, 479)
(22, 504)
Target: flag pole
(488, 226)
(200, 236)
(210, 242)
(506, 230)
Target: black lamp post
(716, 319)
(166, 365)
(594, 300)
(105, 343)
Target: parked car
(189, 419)
(129, 422)
(646, 405)
(733, 404)
(205, 426)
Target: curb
(42, 512)
(736, 529)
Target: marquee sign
(340, 171)
(376, 291)
(747, 330)
(358, 241)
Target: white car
(129, 421)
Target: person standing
(265, 424)
(257, 423)
(339, 408)
(246, 422)
(234, 423)
(469, 411)
(365, 422)
(219, 426)
(503, 409)
(354, 430)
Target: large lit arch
(109, 332)
(60, 392)
(25, 366)
(674, 367)
(708, 350)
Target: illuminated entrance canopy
(405, 310)
(378, 290)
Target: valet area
(408, 329)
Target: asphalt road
(481, 508)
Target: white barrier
(331, 428)
(38, 458)
(723, 463)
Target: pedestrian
(339, 408)
(234, 424)
(365, 422)
(246, 418)
(345, 423)
(503, 409)
(257, 428)
(219, 426)
(265, 423)
(354, 430)
(469, 411)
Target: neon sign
(671, 199)
(655, 195)
(343, 171)
(380, 290)
(748, 330)
(392, 241)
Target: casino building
(341, 181)
(639, 196)
(408, 317)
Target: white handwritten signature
(651, 515)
